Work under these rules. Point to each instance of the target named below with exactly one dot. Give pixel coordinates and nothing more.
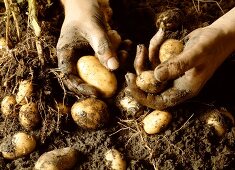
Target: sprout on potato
(156, 121)
(115, 160)
(20, 144)
(24, 92)
(90, 113)
(169, 49)
(94, 73)
(8, 106)
(29, 116)
(58, 159)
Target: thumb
(102, 46)
(177, 66)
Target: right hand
(84, 28)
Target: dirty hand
(205, 49)
(83, 28)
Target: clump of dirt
(187, 143)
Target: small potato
(20, 144)
(8, 106)
(115, 160)
(3, 43)
(129, 104)
(169, 49)
(94, 73)
(147, 82)
(58, 159)
(25, 91)
(29, 116)
(217, 119)
(156, 121)
(90, 113)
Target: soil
(187, 143)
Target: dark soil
(187, 143)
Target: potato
(156, 121)
(3, 43)
(115, 160)
(62, 108)
(170, 48)
(24, 92)
(8, 106)
(20, 144)
(94, 73)
(90, 113)
(58, 159)
(129, 104)
(217, 119)
(147, 82)
(29, 116)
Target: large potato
(156, 121)
(169, 49)
(18, 145)
(94, 73)
(90, 113)
(58, 159)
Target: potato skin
(94, 73)
(24, 92)
(29, 116)
(156, 121)
(7, 106)
(147, 82)
(115, 160)
(21, 144)
(169, 49)
(58, 159)
(90, 113)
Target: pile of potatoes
(28, 114)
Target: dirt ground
(187, 143)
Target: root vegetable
(58, 159)
(25, 91)
(94, 73)
(3, 43)
(156, 121)
(169, 49)
(147, 82)
(115, 160)
(129, 104)
(90, 113)
(217, 119)
(8, 106)
(169, 19)
(20, 144)
(29, 116)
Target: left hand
(204, 52)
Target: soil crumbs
(187, 143)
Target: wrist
(78, 10)
(226, 24)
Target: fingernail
(112, 63)
(161, 74)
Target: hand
(83, 28)
(205, 50)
